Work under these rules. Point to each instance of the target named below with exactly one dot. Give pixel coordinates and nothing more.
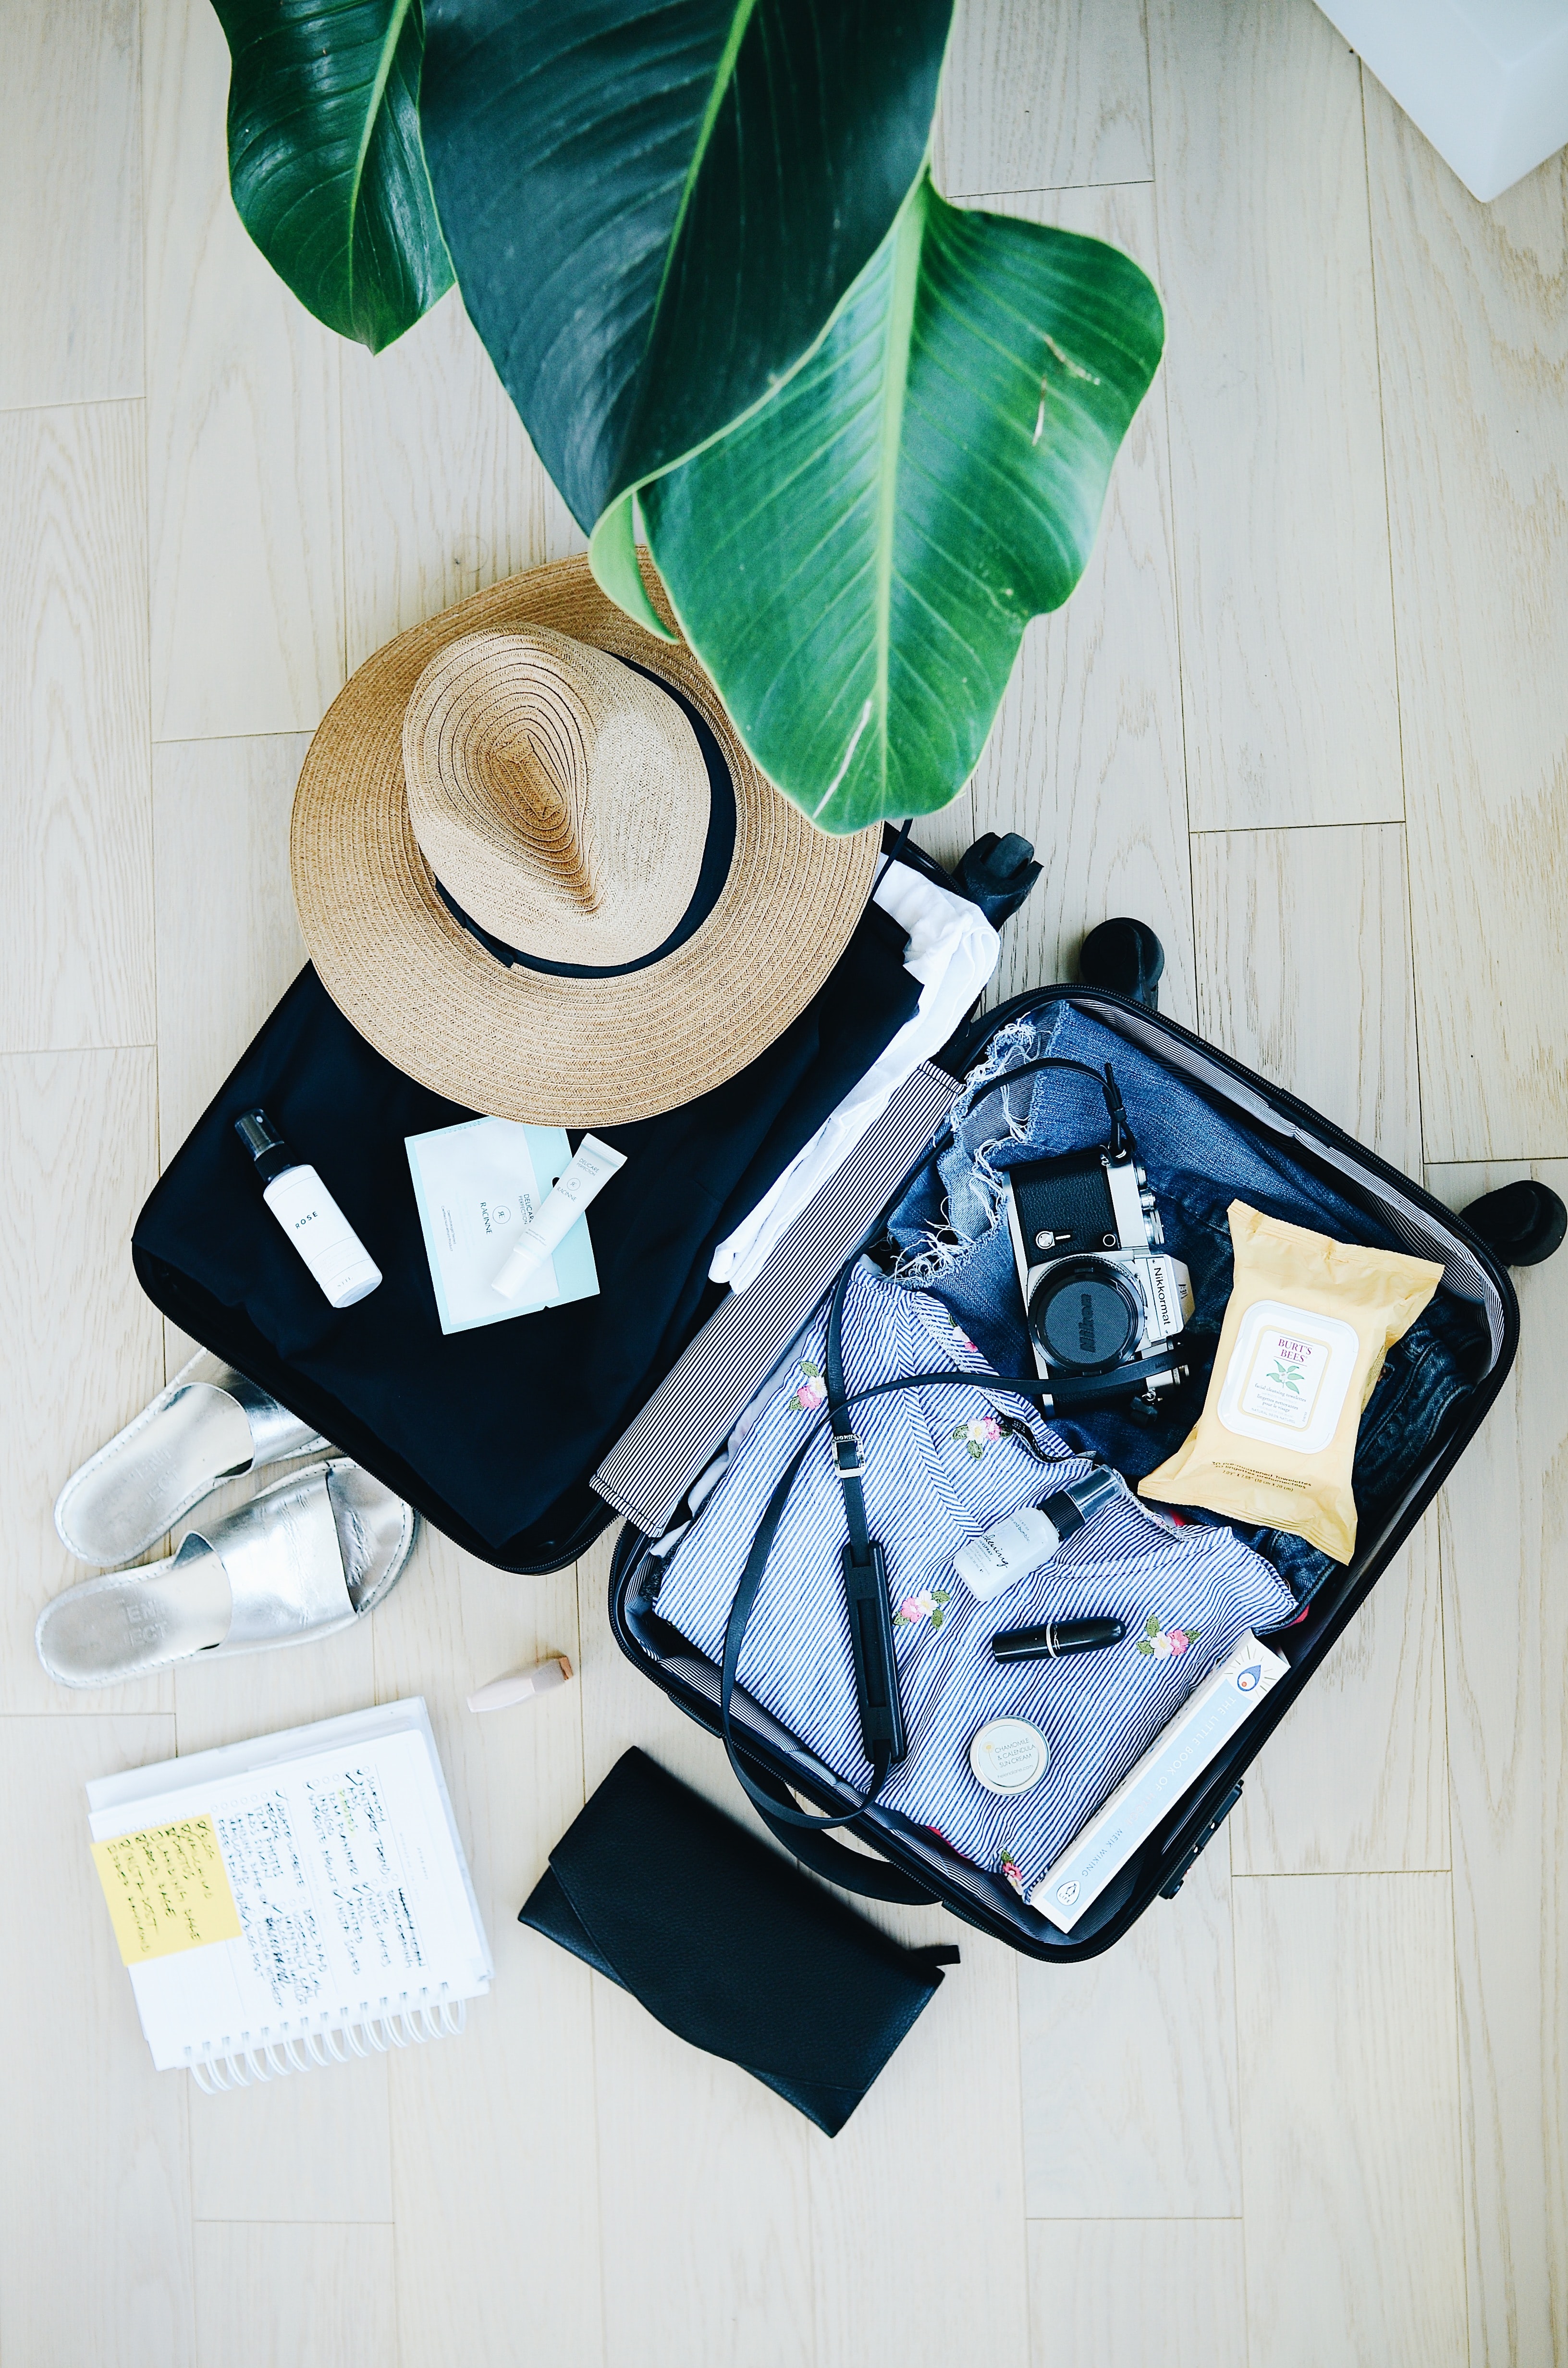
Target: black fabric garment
(491, 1433)
(726, 1945)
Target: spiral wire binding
(271, 2055)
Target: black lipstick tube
(1054, 1638)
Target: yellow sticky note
(166, 1889)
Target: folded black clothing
(491, 1433)
(727, 1946)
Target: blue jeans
(951, 1232)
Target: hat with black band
(536, 868)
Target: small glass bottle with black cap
(1011, 1549)
(308, 1214)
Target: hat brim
(521, 1043)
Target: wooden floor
(1308, 716)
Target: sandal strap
(275, 1433)
(283, 1562)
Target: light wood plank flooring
(1309, 715)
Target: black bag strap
(765, 1799)
(865, 1577)
(895, 854)
(846, 1446)
(871, 1877)
(1120, 1146)
(766, 1805)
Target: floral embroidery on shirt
(1011, 1870)
(961, 1336)
(1161, 1643)
(979, 1435)
(807, 1389)
(925, 1605)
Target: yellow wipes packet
(1308, 1324)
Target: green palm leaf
(857, 561)
(325, 160)
(654, 205)
(869, 433)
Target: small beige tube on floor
(502, 1692)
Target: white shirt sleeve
(953, 951)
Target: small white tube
(500, 1692)
(558, 1211)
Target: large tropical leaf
(325, 161)
(856, 562)
(654, 205)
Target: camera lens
(1085, 1316)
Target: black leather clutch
(728, 1946)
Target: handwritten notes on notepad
(275, 1893)
(167, 1889)
(320, 1881)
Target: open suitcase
(739, 1345)
(908, 1867)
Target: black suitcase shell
(917, 1870)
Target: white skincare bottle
(309, 1214)
(1007, 1552)
(591, 1169)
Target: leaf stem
(392, 36)
(907, 237)
(723, 75)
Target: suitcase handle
(873, 1878)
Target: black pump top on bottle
(266, 1147)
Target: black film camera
(1104, 1301)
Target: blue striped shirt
(940, 1466)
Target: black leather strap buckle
(876, 1669)
(845, 1443)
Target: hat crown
(610, 1043)
(541, 791)
(559, 797)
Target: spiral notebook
(293, 1900)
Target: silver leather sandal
(311, 1555)
(210, 1424)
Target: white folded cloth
(953, 951)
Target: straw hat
(535, 866)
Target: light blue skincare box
(1224, 1699)
(477, 1186)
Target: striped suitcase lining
(695, 1407)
